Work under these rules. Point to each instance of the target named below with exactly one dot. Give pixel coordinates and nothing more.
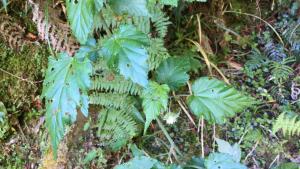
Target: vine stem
(162, 127)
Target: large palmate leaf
(126, 49)
(65, 89)
(216, 101)
(81, 15)
(132, 7)
(155, 101)
(222, 161)
(173, 72)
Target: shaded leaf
(132, 7)
(172, 72)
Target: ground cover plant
(130, 84)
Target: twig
(162, 127)
(202, 135)
(259, 18)
(214, 136)
(276, 158)
(185, 110)
(250, 153)
(241, 139)
(22, 79)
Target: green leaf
(4, 3)
(132, 7)
(216, 101)
(90, 156)
(172, 72)
(169, 2)
(3, 112)
(65, 88)
(81, 15)
(155, 101)
(195, 162)
(226, 148)
(126, 48)
(222, 161)
(98, 5)
(141, 162)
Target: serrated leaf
(216, 101)
(81, 16)
(141, 162)
(132, 7)
(126, 49)
(155, 101)
(172, 72)
(222, 161)
(226, 148)
(65, 89)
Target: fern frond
(275, 51)
(117, 101)
(289, 126)
(108, 81)
(157, 53)
(280, 70)
(256, 60)
(159, 20)
(116, 127)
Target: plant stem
(202, 139)
(162, 127)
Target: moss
(20, 76)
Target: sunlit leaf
(126, 49)
(65, 89)
(215, 100)
(155, 101)
(81, 15)
(222, 161)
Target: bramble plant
(125, 50)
